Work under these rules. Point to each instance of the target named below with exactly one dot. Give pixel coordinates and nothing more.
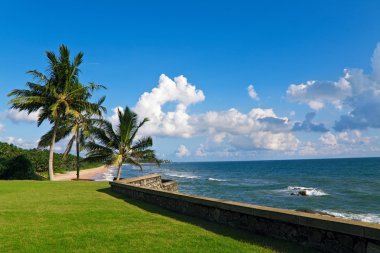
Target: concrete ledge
(321, 232)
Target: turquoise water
(347, 188)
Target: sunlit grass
(87, 217)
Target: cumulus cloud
(258, 129)
(317, 94)
(200, 152)
(22, 116)
(20, 142)
(252, 93)
(351, 142)
(172, 123)
(114, 118)
(2, 127)
(356, 90)
(308, 126)
(182, 151)
(345, 142)
(308, 149)
(328, 139)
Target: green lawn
(88, 217)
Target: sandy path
(83, 174)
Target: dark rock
(302, 193)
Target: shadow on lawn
(237, 234)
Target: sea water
(346, 188)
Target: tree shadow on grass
(234, 233)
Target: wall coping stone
(133, 179)
(356, 228)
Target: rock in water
(302, 193)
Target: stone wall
(328, 234)
(152, 181)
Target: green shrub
(18, 167)
(34, 160)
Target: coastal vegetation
(87, 217)
(18, 163)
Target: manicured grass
(88, 217)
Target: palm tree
(118, 145)
(55, 95)
(79, 127)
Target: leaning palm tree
(118, 145)
(78, 127)
(55, 95)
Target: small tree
(118, 146)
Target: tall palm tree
(79, 127)
(55, 95)
(118, 145)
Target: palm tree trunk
(119, 172)
(77, 146)
(51, 152)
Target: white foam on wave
(106, 176)
(366, 217)
(181, 175)
(216, 179)
(295, 190)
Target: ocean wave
(216, 179)
(181, 175)
(300, 190)
(106, 176)
(366, 217)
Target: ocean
(346, 188)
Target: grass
(87, 217)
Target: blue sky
(221, 48)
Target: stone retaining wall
(152, 181)
(328, 234)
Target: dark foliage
(18, 167)
(18, 163)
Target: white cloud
(308, 149)
(348, 142)
(258, 129)
(328, 139)
(182, 151)
(356, 90)
(172, 123)
(200, 151)
(22, 116)
(20, 142)
(232, 134)
(343, 143)
(114, 118)
(353, 137)
(317, 94)
(2, 127)
(252, 93)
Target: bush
(18, 163)
(18, 167)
